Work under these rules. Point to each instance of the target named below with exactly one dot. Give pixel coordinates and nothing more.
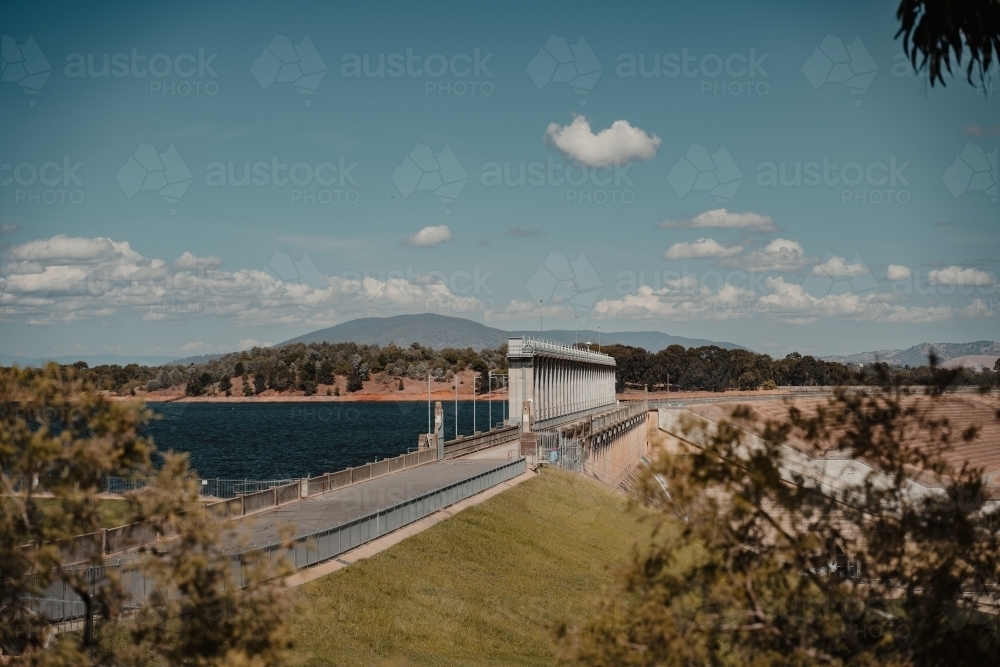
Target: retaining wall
(258, 502)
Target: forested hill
(441, 331)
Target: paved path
(329, 509)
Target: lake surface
(282, 440)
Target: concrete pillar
(549, 412)
(439, 429)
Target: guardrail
(59, 603)
(468, 444)
(122, 538)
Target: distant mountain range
(980, 350)
(440, 331)
(91, 359)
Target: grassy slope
(482, 588)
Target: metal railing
(61, 604)
(216, 487)
(528, 347)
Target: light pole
(489, 375)
(598, 339)
(576, 331)
(456, 406)
(540, 327)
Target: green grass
(484, 587)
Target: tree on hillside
(757, 564)
(58, 438)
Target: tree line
(712, 368)
(305, 367)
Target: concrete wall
(475, 443)
(612, 458)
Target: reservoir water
(282, 440)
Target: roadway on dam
(335, 507)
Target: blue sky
(682, 212)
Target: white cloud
(620, 143)
(788, 303)
(191, 262)
(725, 219)
(898, 272)
(838, 267)
(194, 346)
(247, 343)
(778, 255)
(956, 275)
(70, 249)
(700, 249)
(429, 236)
(69, 280)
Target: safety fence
(212, 487)
(59, 603)
(112, 541)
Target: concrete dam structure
(557, 381)
(569, 412)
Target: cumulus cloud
(619, 144)
(68, 280)
(9, 228)
(70, 250)
(700, 249)
(725, 219)
(778, 300)
(778, 255)
(247, 343)
(191, 262)
(429, 236)
(956, 275)
(838, 267)
(898, 272)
